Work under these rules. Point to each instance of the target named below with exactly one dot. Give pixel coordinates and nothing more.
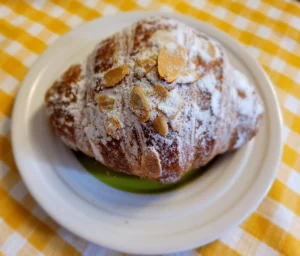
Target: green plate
(131, 183)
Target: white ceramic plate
(192, 216)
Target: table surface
(269, 29)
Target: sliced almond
(161, 92)
(106, 103)
(188, 76)
(151, 163)
(140, 105)
(112, 127)
(154, 78)
(212, 50)
(160, 125)
(143, 66)
(115, 75)
(171, 60)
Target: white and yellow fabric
(269, 29)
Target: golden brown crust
(64, 106)
(61, 119)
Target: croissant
(155, 100)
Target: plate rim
(192, 243)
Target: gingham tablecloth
(269, 29)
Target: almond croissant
(155, 100)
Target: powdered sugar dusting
(208, 82)
(171, 47)
(172, 104)
(205, 115)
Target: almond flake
(106, 103)
(171, 60)
(161, 92)
(112, 126)
(151, 162)
(160, 125)
(154, 78)
(115, 75)
(143, 66)
(212, 50)
(140, 105)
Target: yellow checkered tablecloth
(269, 29)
